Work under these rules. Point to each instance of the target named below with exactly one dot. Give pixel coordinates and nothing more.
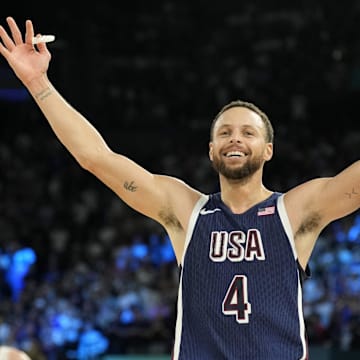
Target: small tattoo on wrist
(43, 94)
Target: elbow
(86, 162)
(94, 161)
(91, 161)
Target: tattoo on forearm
(130, 186)
(43, 94)
(352, 194)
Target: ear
(268, 153)
(211, 150)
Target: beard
(242, 172)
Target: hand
(27, 61)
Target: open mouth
(236, 154)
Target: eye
(248, 133)
(224, 133)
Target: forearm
(76, 133)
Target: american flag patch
(266, 211)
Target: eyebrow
(242, 126)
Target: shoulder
(179, 193)
(305, 201)
(176, 185)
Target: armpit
(311, 223)
(169, 219)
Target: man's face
(238, 148)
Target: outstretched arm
(316, 203)
(329, 198)
(159, 197)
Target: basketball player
(243, 251)
(10, 353)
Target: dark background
(151, 75)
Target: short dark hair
(239, 103)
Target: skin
(10, 353)
(310, 206)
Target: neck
(240, 195)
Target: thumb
(42, 48)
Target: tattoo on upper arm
(43, 94)
(352, 194)
(130, 186)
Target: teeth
(235, 153)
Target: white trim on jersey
(286, 223)
(194, 215)
(302, 321)
(287, 227)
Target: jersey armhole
(304, 273)
(192, 221)
(286, 223)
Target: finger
(16, 33)
(29, 34)
(4, 51)
(42, 47)
(6, 39)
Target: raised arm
(316, 203)
(163, 198)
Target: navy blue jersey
(240, 294)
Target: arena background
(85, 277)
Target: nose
(236, 137)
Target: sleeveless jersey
(240, 292)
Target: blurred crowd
(81, 274)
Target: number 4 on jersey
(236, 300)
